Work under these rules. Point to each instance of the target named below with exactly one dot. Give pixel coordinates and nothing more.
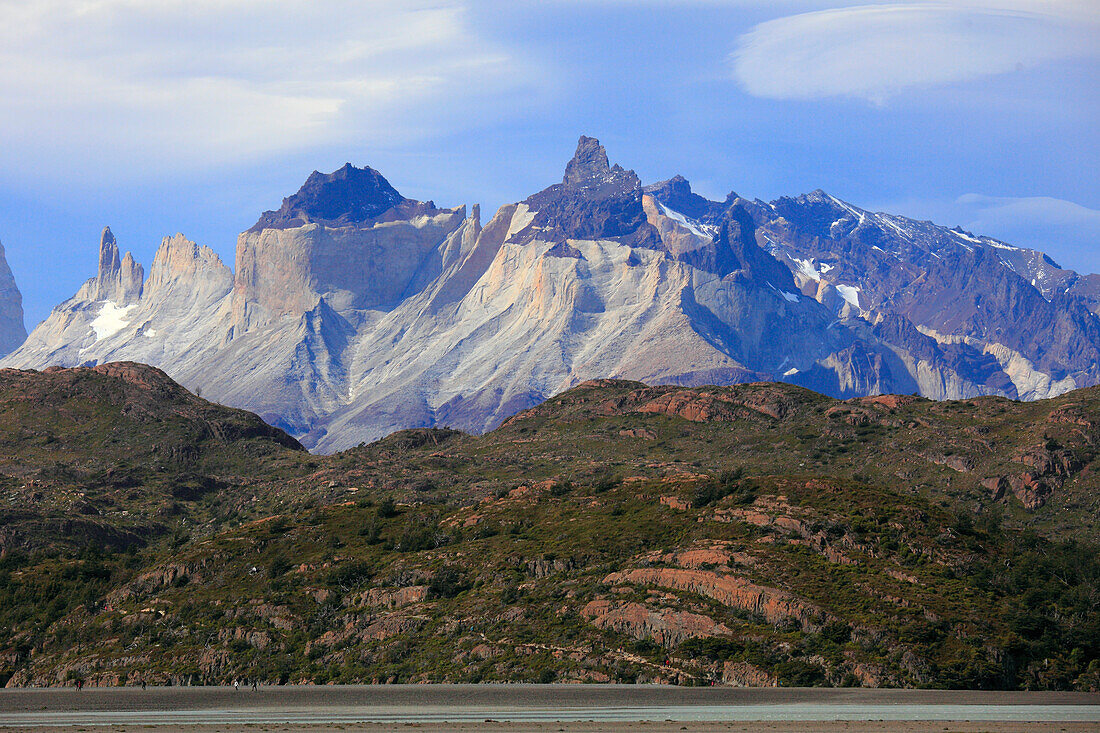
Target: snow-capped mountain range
(353, 311)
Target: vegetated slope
(758, 534)
(103, 456)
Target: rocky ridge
(352, 311)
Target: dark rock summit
(349, 195)
(590, 169)
(594, 200)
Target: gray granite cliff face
(354, 311)
(118, 280)
(12, 330)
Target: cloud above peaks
(1066, 230)
(144, 84)
(874, 52)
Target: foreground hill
(103, 456)
(752, 535)
(352, 311)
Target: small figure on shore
(255, 686)
(143, 684)
(236, 685)
(80, 684)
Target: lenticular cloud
(876, 51)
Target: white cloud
(876, 51)
(1064, 229)
(145, 83)
(1040, 210)
(1067, 231)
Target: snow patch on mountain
(806, 269)
(683, 221)
(850, 293)
(111, 319)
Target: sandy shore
(501, 695)
(540, 708)
(673, 727)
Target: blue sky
(196, 115)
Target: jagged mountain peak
(180, 262)
(676, 186)
(595, 200)
(590, 169)
(108, 252)
(348, 195)
(118, 279)
(676, 194)
(817, 196)
(588, 163)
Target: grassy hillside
(757, 535)
(117, 455)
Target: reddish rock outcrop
(389, 626)
(717, 555)
(743, 674)
(391, 598)
(1029, 489)
(889, 401)
(693, 406)
(770, 603)
(1050, 469)
(1071, 414)
(665, 626)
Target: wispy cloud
(188, 83)
(1066, 230)
(1042, 210)
(876, 51)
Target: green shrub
(448, 582)
(837, 632)
(349, 575)
(730, 483)
(799, 673)
(279, 566)
(716, 649)
(387, 508)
